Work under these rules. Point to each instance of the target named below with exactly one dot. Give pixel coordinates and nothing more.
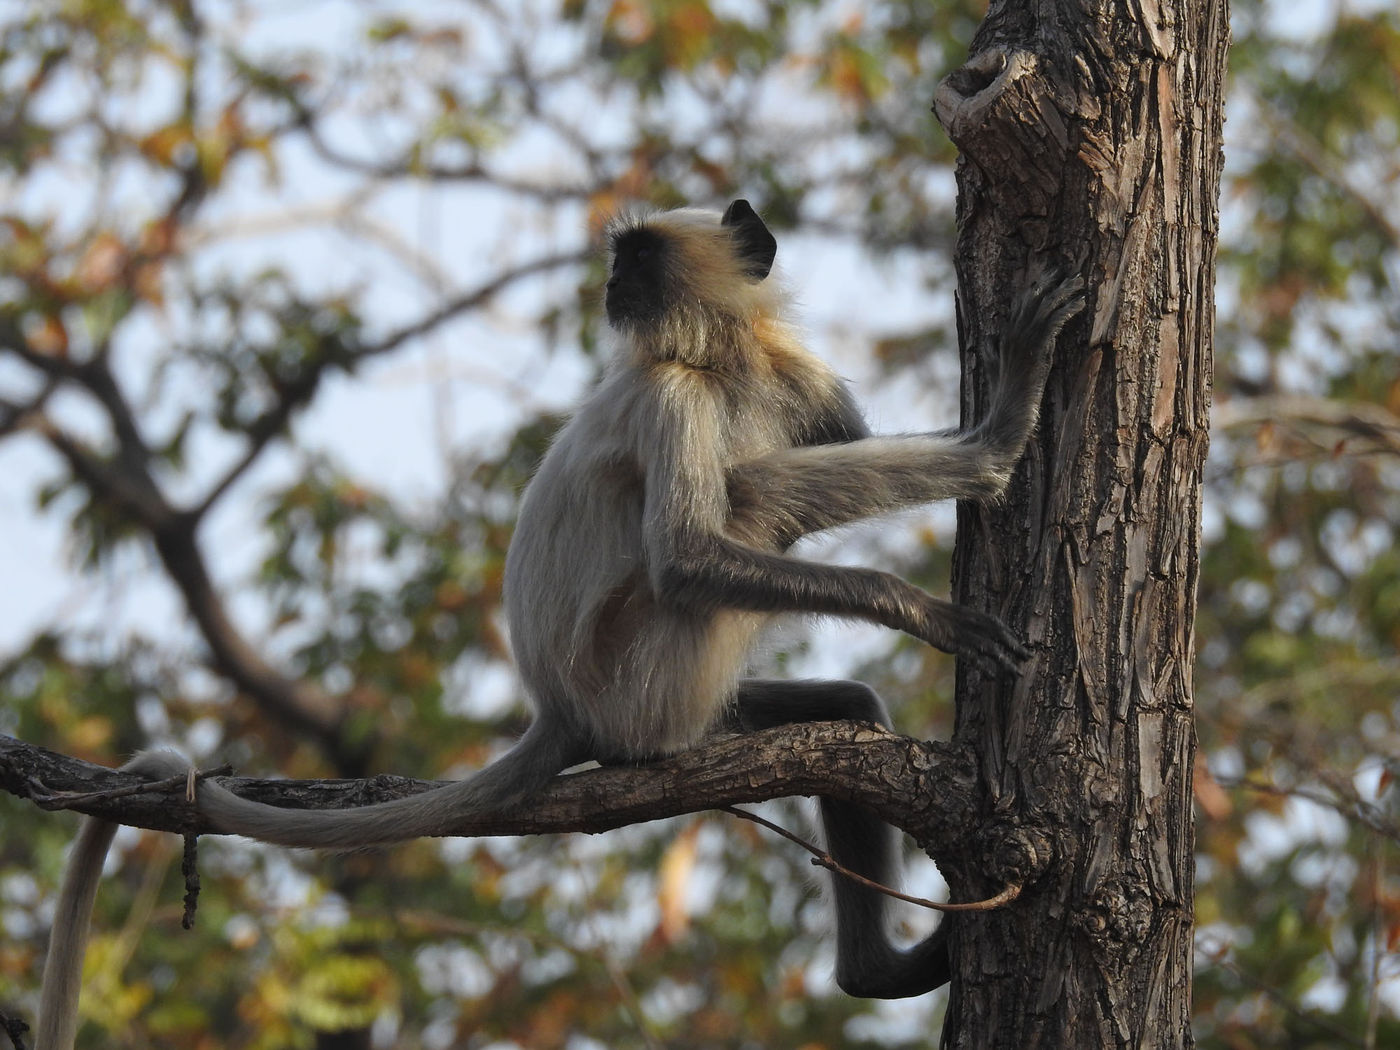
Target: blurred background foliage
(292, 295)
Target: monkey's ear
(756, 246)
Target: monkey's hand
(972, 635)
(1021, 357)
(1044, 307)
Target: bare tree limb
(22, 415)
(295, 394)
(302, 706)
(1322, 420)
(919, 785)
(1321, 161)
(472, 298)
(126, 482)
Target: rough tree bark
(1090, 136)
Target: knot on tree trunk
(1005, 110)
(1017, 854)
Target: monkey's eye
(642, 253)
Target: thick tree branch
(925, 787)
(307, 118)
(23, 415)
(300, 705)
(117, 482)
(298, 393)
(126, 482)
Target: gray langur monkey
(651, 551)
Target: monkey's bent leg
(867, 963)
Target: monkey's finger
(1059, 304)
(1042, 311)
(1043, 278)
(976, 636)
(1009, 654)
(994, 661)
(1007, 648)
(1067, 301)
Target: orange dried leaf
(450, 595)
(630, 21)
(158, 236)
(693, 21)
(163, 144)
(102, 263)
(602, 206)
(49, 337)
(846, 76)
(1210, 796)
(677, 866)
(147, 282)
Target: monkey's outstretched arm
(788, 494)
(693, 561)
(711, 526)
(781, 497)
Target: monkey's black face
(637, 287)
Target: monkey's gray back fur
(593, 639)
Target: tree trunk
(1090, 140)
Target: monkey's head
(681, 268)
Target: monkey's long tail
(543, 751)
(63, 968)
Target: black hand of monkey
(1047, 305)
(971, 635)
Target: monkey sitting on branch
(651, 551)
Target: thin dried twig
(56, 800)
(823, 859)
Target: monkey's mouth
(627, 311)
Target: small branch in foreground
(57, 800)
(823, 859)
(189, 868)
(15, 1029)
